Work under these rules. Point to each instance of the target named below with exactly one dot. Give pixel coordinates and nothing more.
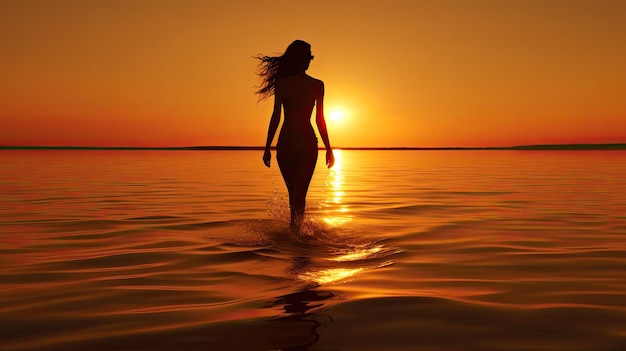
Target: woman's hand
(267, 157)
(330, 158)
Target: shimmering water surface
(402, 250)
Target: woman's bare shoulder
(317, 83)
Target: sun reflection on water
(343, 256)
(326, 276)
(334, 212)
(358, 254)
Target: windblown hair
(272, 68)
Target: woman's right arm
(321, 125)
(274, 122)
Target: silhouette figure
(296, 93)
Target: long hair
(272, 68)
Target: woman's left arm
(271, 131)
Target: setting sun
(336, 116)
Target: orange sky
(404, 73)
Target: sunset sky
(422, 73)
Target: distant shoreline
(564, 147)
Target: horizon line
(578, 146)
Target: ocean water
(402, 250)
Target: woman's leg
(303, 172)
(297, 171)
(286, 163)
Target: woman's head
(295, 60)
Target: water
(403, 250)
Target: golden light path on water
(335, 214)
(329, 275)
(358, 254)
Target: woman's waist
(298, 128)
(300, 133)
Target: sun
(336, 116)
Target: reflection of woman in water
(297, 93)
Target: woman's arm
(274, 122)
(321, 125)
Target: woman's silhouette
(296, 93)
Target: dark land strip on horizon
(564, 147)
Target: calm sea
(402, 250)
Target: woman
(296, 93)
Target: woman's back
(298, 95)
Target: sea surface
(401, 250)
